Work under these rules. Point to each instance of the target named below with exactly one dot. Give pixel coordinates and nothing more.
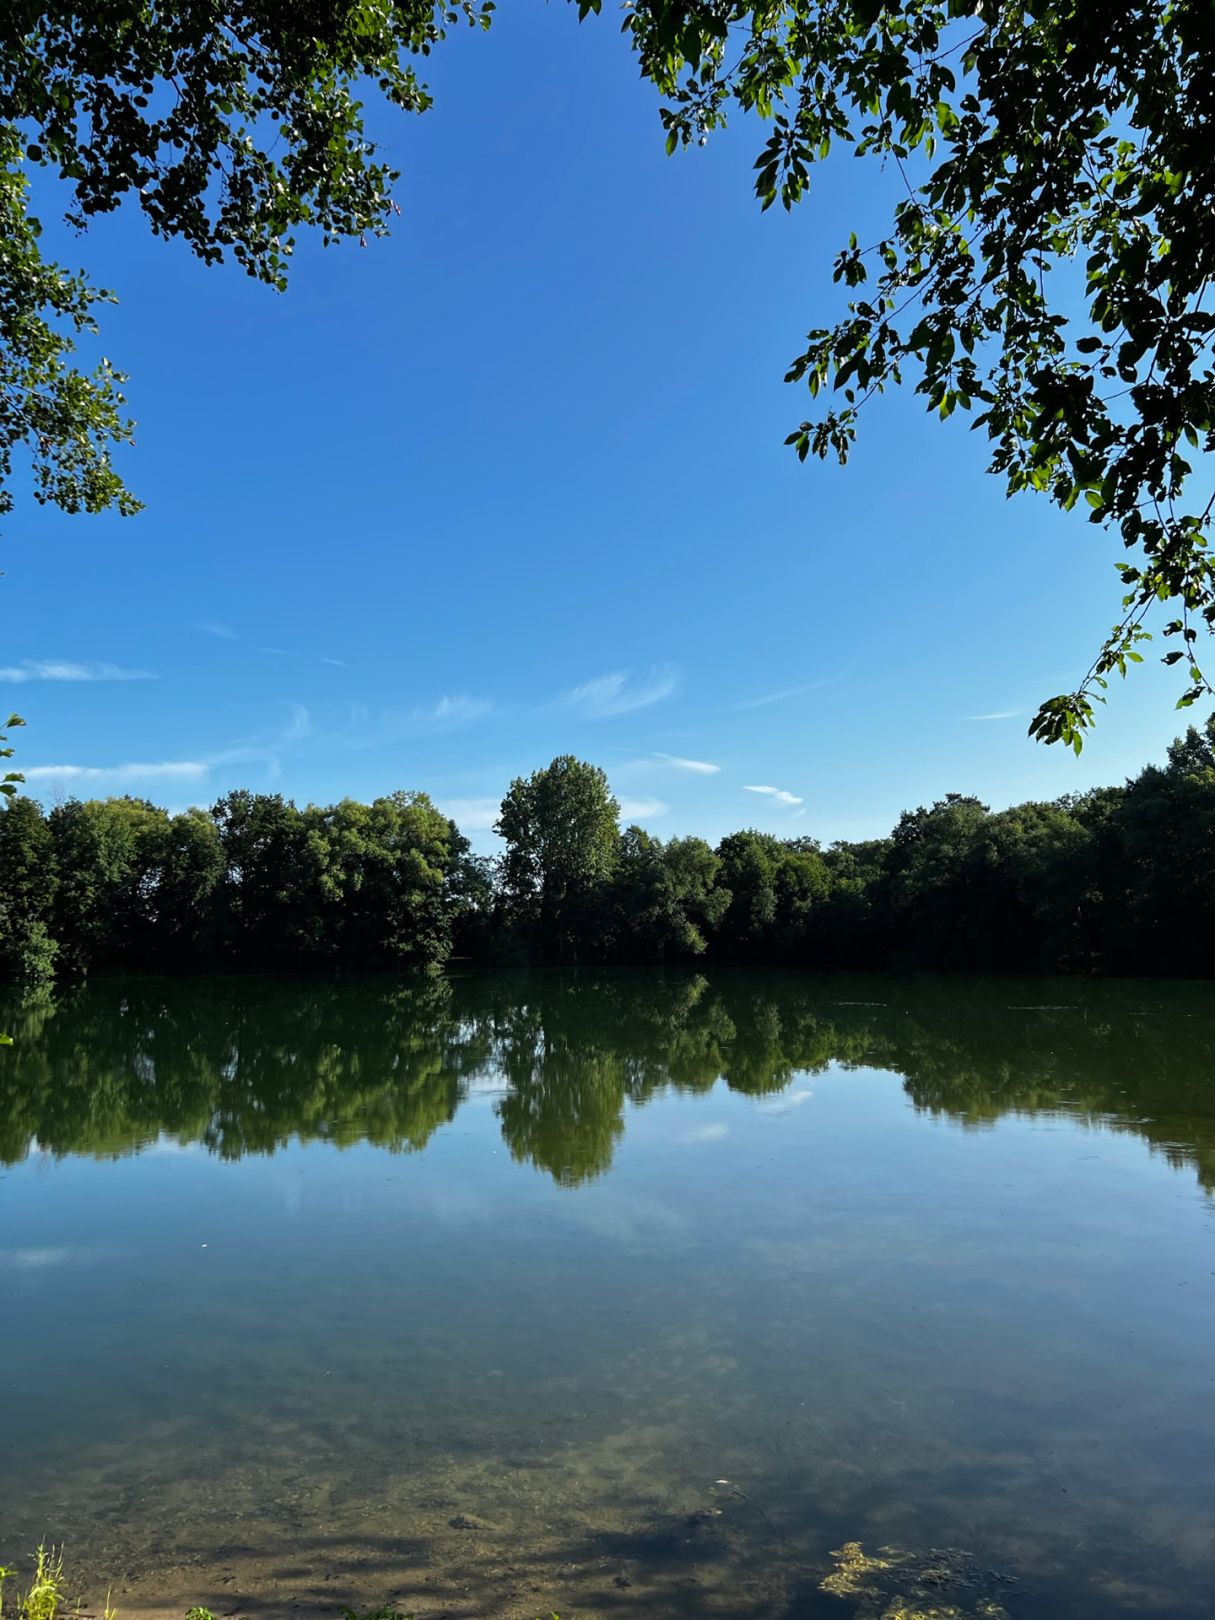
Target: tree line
(1116, 880)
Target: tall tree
(27, 891)
(275, 879)
(191, 889)
(109, 856)
(562, 832)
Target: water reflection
(246, 1066)
(263, 1375)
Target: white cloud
(363, 728)
(701, 767)
(210, 627)
(997, 714)
(34, 1259)
(786, 692)
(642, 809)
(338, 663)
(452, 711)
(472, 815)
(266, 753)
(780, 795)
(706, 1133)
(777, 1107)
(55, 669)
(175, 770)
(300, 724)
(619, 693)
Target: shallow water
(613, 1294)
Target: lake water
(614, 1294)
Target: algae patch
(895, 1585)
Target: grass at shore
(46, 1597)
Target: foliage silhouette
(1118, 880)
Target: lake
(613, 1294)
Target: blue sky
(512, 484)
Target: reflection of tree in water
(239, 1066)
(1126, 1056)
(246, 1065)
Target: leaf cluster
(1046, 263)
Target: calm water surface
(614, 1294)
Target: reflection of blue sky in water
(878, 1325)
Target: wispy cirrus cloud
(643, 809)
(786, 692)
(700, 767)
(362, 727)
(213, 627)
(778, 795)
(451, 711)
(266, 751)
(255, 751)
(620, 692)
(997, 714)
(61, 669)
(163, 770)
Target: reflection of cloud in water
(775, 1107)
(706, 1133)
(451, 1205)
(37, 1259)
(640, 1220)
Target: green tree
(1165, 823)
(276, 881)
(27, 891)
(775, 891)
(667, 902)
(1038, 890)
(562, 832)
(191, 886)
(230, 127)
(109, 855)
(851, 927)
(937, 906)
(390, 901)
(1046, 259)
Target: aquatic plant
(384, 1612)
(44, 1597)
(899, 1585)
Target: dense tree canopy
(1119, 880)
(255, 881)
